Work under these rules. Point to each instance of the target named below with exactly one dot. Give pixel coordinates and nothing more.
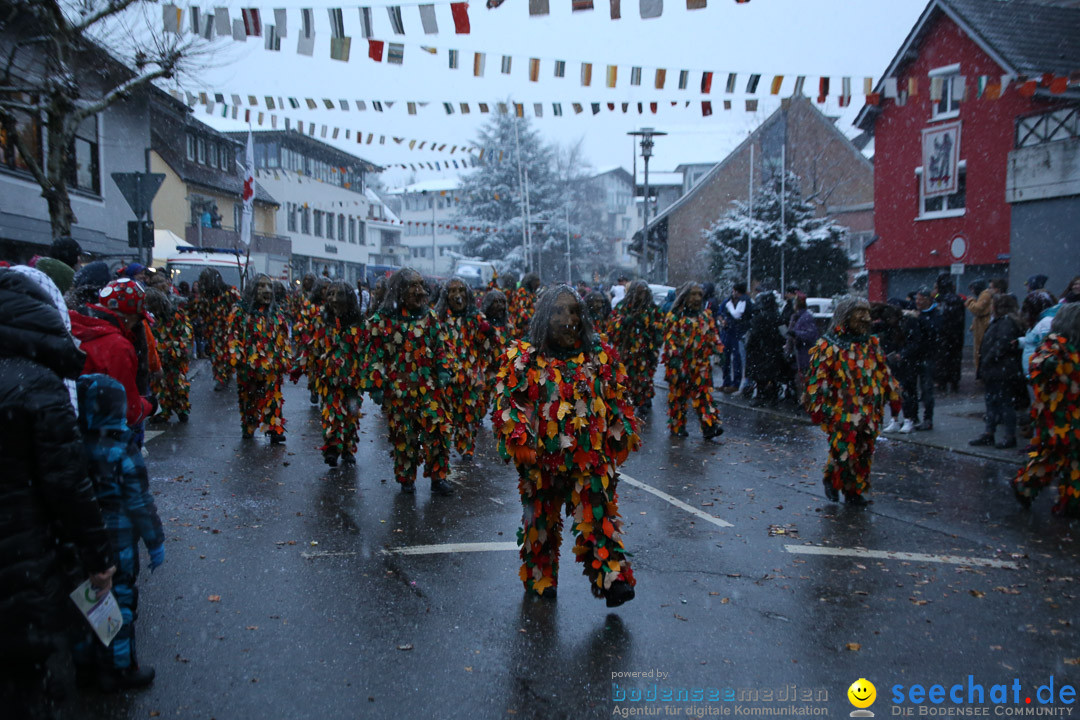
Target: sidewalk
(958, 418)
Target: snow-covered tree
(42, 43)
(492, 197)
(814, 248)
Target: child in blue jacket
(115, 465)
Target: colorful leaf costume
(406, 355)
(258, 348)
(308, 325)
(214, 313)
(638, 336)
(174, 337)
(567, 425)
(848, 386)
(1055, 378)
(338, 352)
(520, 308)
(690, 342)
(470, 349)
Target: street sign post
(139, 190)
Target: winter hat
(67, 250)
(132, 270)
(1036, 282)
(95, 275)
(58, 271)
(124, 296)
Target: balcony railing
(200, 236)
(1047, 127)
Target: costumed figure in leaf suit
(599, 306)
(298, 296)
(172, 331)
(1055, 379)
(848, 385)
(338, 351)
(636, 331)
(690, 342)
(212, 308)
(521, 304)
(563, 417)
(471, 347)
(259, 350)
(406, 371)
(494, 308)
(307, 326)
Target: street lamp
(646, 135)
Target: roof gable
(1024, 37)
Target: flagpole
(248, 197)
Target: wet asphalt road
(281, 596)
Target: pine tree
(492, 198)
(814, 248)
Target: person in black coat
(950, 348)
(45, 495)
(1000, 370)
(766, 366)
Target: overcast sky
(855, 38)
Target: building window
(329, 226)
(305, 221)
(318, 217)
(949, 104)
(224, 158)
(191, 151)
(85, 175)
(201, 150)
(352, 229)
(28, 128)
(943, 206)
(341, 228)
(290, 216)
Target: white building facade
(427, 211)
(338, 227)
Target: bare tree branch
(120, 91)
(111, 8)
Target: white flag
(248, 194)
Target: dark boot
(620, 592)
(277, 438)
(129, 678)
(441, 487)
(832, 493)
(711, 431)
(855, 499)
(408, 488)
(330, 457)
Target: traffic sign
(139, 189)
(141, 233)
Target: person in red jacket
(106, 336)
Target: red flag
(706, 108)
(460, 11)
(706, 82)
(1059, 85)
(1028, 88)
(652, 107)
(823, 90)
(375, 48)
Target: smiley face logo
(862, 694)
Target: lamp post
(646, 135)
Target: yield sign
(139, 189)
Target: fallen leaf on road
(252, 627)
(407, 646)
(468, 668)
(725, 601)
(680, 617)
(854, 647)
(714, 593)
(977, 593)
(155, 713)
(1072, 661)
(214, 598)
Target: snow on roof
(376, 200)
(656, 179)
(437, 185)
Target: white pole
(524, 212)
(569, 278)
(750, 236)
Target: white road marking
(151, 434)
(329, 553)
(452, 548)
(675, 501)
(914, 557)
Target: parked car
(822, 310)
(659, 292)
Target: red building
(975, 69)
